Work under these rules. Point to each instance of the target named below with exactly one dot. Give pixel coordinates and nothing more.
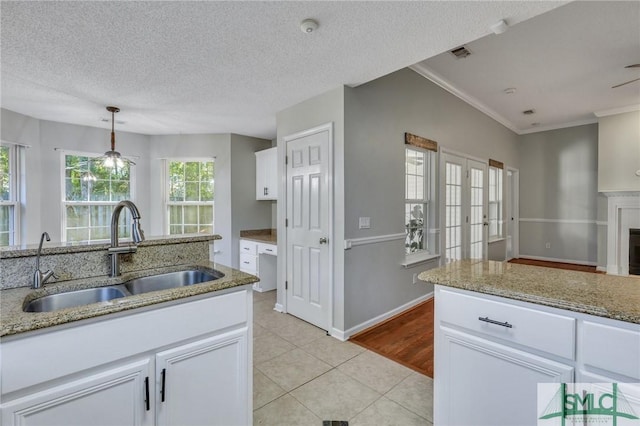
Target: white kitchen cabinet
(202, 383)
(491, 353)
(267, 174)
(116, 396)
(100, 372)
(259, 259)
(488, 383)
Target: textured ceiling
(217, 67)
(563, 65)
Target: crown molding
(559, 126)
(446, 85)
(616, 111)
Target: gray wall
(619, 152)
(558, 194)
(48, 140)
(247, 212)
(377, 115)
(234, 157)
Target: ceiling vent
(529, 112)
(460, 52)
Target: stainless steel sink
(73, 298)
(136, 286)
(171, 280)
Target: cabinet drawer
(611, 348)
(271, 249)
(551, 333)
(248, 247)
(248, 263)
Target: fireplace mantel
(623, 214)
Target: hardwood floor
(557, 265)
(406, 338)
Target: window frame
(64, 203)
(429, 206)
(14, 193)
(497, 188)
(166, 193)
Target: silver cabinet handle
(490, 321)
(324, 240)
(268, 250)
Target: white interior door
(308, 229)
(465, 208)
(512, 214)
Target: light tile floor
(301, 377)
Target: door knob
(324, 240)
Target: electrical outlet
(548, 245)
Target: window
(419, 206)
(9, 205)
(190, 185)
(495, 202)
(91, 191)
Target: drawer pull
(490, 321)
(268, 250)
(245, 262)
(246, 248)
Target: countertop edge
(14, 321)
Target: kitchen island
(501, 329)
(154, 355)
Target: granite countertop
(269, 236)
(13, 320)
(608, 296)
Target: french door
(465, 208)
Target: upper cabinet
(267, 174)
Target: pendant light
(112, 159)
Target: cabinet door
(205, 382)
(479, 382)
(271, 160)
(267, 174)
(113, 397)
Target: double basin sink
(166, 281)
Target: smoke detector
(460, 52)
(308, 26)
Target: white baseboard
(345, 335)
(601, 268)
(278, 308)
(553, 259)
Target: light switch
(364, 222)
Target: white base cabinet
(491, 353)
(113, 397)
(183, 364)
(211, 371)
(259, 259)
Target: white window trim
(64, 203)
(430, 178)
(15, 186)
(165, 191)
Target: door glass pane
(453, 211)
(476, 219)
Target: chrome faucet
(39, 277)
(137, 235)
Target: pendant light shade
(113, 159)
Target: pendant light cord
(113, 133)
